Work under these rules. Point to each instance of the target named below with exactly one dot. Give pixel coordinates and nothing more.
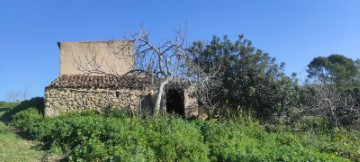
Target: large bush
(250, 78)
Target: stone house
(76, 90)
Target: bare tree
(333, 106)
(163, 63)
(16, 96)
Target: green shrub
(121, 136)
(24, 118)
(91, 136)
(312, 124)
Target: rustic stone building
(76, 90)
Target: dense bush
(26, 117)
(119, 136)
(250, 79)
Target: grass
(122, 136)
(15, 148)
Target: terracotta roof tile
(100, 81)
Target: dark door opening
(175, 101)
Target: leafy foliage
(335, 68)
(251, 79)
(90, 136)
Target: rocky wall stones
(65, 100)
(190, 102)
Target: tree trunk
(159, 97)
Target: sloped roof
(100, 81)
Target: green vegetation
(4, 104)
(13, 147)
(120, 136)
(335, 90)
(250, 79)
(335, 68)
(37, 103)
(266, 116)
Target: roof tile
(100, 82)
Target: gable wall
(110, 56)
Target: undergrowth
(121, 136)
(12, 146)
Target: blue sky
(292, 31)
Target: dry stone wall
(70, 93)
(65, 100)
(190, 102)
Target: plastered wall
(112, 57)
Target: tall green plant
(251, 79)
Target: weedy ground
(15, 148)
(122, 136)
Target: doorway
(175, 101)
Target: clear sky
(292, 31)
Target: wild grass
(123, 136)
(119, 136)
(14, 148)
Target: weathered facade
(106, 56)
(79, 92)
(73, 90)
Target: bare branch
(165, 63)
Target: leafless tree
(164, 63)
(335, 107)
(16, 96)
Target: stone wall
(65, 100)
(190, 102)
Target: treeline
(251, 80)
